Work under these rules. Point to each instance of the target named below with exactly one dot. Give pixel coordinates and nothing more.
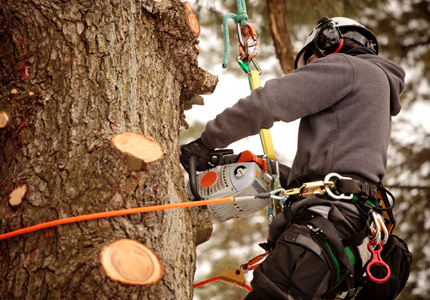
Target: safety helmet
(328, 37)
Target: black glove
(198, 149)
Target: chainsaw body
(231, 179)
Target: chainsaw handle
(192, 168)
(192, 173)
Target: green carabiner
(243, 65)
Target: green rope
(241, 17)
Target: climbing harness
(366, 195)
(379, 233)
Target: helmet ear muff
(328, 38)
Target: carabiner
(341, 196)
(376, 260)
(239, 37)
(253, 263)
(379, 229)
(242, 65)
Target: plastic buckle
(329, 191)
(317, 231)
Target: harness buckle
(330, 192)
(317, 231)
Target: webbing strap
(333, 237)
(265, 136)
(356, 187)
(309, 243)
(330, 232)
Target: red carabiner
(377, 261)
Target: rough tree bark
(278, 22)
(73, 74)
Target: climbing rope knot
(241, 18)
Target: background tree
(72, 75)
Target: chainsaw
(231, 175)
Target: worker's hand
(198, 149)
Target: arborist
(345, 96)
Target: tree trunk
(73, 74)
(278, 22)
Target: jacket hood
(395, 75)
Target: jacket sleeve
(308, 90)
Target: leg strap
(329, 231)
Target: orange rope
(114, 214)
(216, 278)
(204, 282)
(247, 287)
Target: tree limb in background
(277, 14)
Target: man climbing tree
(345, 96)
(73, 75)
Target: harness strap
(308, 243)
(330, 232)
(364, 189)
(355, 239)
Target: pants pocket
(297, 266)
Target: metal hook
(329, 191)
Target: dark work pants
(292, 270)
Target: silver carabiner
(379, 223)
(341, 196)
(376, 226)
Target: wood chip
(15, 198)
(4, 119)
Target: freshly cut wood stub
(131, 262)
(4, 119)
(16, 196)
(192, 20)
(138, 145)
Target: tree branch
(277, 13)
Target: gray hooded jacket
(345, 104)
